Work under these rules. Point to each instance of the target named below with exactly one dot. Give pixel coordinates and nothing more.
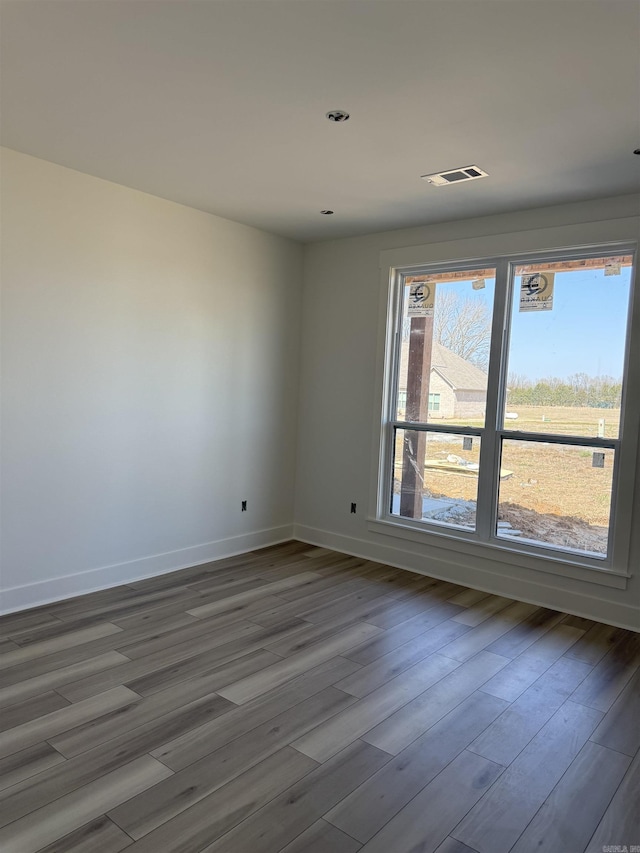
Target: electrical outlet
(353, 508)
(244, 506)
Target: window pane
(555, 494)
(566, 349)
(445, 332)
(435, 477)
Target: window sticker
(536, 291)
(421, 296)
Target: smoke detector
(455, 176)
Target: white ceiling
(220, 104)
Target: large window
(505, 414)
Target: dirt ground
(561, 530)
(545, 479)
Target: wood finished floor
(296, 699)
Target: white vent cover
(455, 176)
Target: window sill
(502, 553)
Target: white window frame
(617, 237)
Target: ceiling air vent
(455, 176)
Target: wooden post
(417, 409)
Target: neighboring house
(457, 388)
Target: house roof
(457, 372)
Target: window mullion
(490, 442)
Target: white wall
(340, 332)
(150, 376)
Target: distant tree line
(602, 392)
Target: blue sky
(583, 333)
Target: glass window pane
(445, 336)
(435, 477)
(555, 494)
(566, 348)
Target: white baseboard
(545, 595)
(93, 580)
(498, 583)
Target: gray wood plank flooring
(299, 700)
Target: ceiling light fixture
(326, 212)
(337, 115)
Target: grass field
(563, 420)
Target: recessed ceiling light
(337, 115)
(326, 212)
